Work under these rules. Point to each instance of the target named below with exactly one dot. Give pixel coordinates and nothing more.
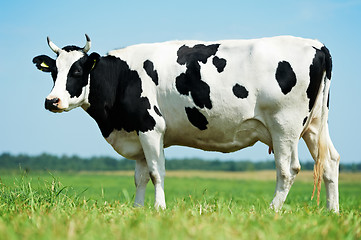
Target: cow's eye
(77, 73)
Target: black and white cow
(216, 96)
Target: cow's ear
(91, 62)
(44, 63)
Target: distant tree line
(75, 163)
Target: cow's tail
(322, 145)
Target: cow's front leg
(141, 179)
(152, 143)
(287, 166)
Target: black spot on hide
(328, 100)
(240, 91)
(304, 121)
(219, 63)
(328, 60)
(156, 110)
(72, 48)
(149, 69)
(115, 98)
(196, 118)
(77, 77)
(285, 77)
(322, 62)
(191, 82)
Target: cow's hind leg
(330, 176)
(287, 166)
(331, 164)
(141, 179)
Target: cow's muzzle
(52, 105)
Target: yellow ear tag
(95, 61)
(44, 65)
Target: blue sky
(26, 127)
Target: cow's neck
(115, 96)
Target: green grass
(99, 206)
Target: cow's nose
(52, 104)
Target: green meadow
(200, 205)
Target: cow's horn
(53, 46)
(87, 45)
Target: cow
(216, 96)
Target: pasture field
(200, 205)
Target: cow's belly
(220, 138)
(126, 144)
(216, 138)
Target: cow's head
(70, 72)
